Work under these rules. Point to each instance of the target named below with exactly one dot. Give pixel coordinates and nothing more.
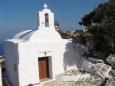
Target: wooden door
(43, 68)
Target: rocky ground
(80, 83)
(98, 74)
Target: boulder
(111, 60)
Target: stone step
(52, 83)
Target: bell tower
(45, 18)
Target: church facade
(32, 56)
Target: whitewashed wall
(0, 75)
(29, 54)
(22, 52)
(11, 62)
(63, 56)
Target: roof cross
(45, 6)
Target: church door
(43, 67)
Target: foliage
(101, 23)
(79, 39)
(64, 35)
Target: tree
(101, 23)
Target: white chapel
(34, 55)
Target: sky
(19, 15)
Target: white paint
(22, 53)
(1, 63)
(41, 18)
(0, 76)
(78, 77)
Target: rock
(112, 73)
(96, 66)
(73, 75)
(95, 60)
(102, 70)
(111, 60)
